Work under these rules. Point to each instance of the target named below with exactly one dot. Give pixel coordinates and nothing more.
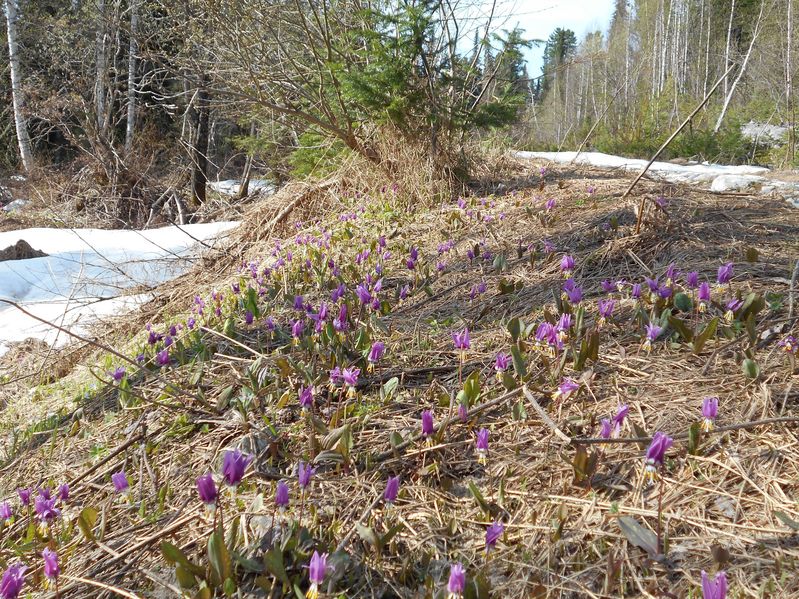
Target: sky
(539, 18)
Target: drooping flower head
(282, 495)
(564, 326)
(457, 581)
(463, 412)
(121, 484)
(304, 474)
(306, 397)
(392, 490)
(732, 307)
(317, 569)
(574, 295)
(350, 378)
(6, 514)
(427, 424)
(296, 331)
(45, 509)
(462, 342)
(376, 353)
(710, 409)
(482, 446)
(501, 362)
(692, 280)
(493, 534)
(51, 568)
(656, 453)
(703, 296)
(566, 387)
(12, 581)
(606, 309)
(567, 265)
(233, 466)
(364, 296)
(671, 274)
(605, 429)
(118, 373)
(618, 419)
(162, 357)
(635, 291)
(714, 589)
(652, 333)
(725, 273)
(24, 496)
(206, 489)
(789, 345)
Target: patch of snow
(773, 135)
(18, 178)
(722, 178)
(15, 205)
(86, 273)
(231, 187)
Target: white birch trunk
(100, 67)
(727, 47)
(17, 93)
(133, 49)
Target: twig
(792, 290)
(545, 417)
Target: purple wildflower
(118, 373)
(493, 534)
(457, 581)
(710, 409)
(482, 446)
(392, 489)
(233, 466)
(317, 569)
(714, 589)
(656, 453)
(206, 489)
(567, 264)
(606, 308)
(121, 484)
(789, 345)
(12, 581)
(692, 280)
(618, 419)
(162, 357)
(502, 362)
(725, 273)
(304, 474)
(6, 514)
(605, 429)
(376, 352)
(282, 495)
(565, 389)
(306, 397)
(63, 492)
(24, 496)
(427, 423)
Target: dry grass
(562, 539)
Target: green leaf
(478, 496)
(229, 588)
(683, 302)
(787, 520)
(368, 536)
(175, 556)
(519, 412)
(515, 329)
(186, 579)
(679, 325)
(751, 254)
(639, 535)
(86, 521)
(518, 362)
(471, 387)
(273, 562)
(388, 388)
(705, 335)
(508, 381)
(392, 532)
(750, 369)
(219, 557)
(694, 438)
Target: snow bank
(86, 272)
(720, 177)
(231, 187)
(764, 133)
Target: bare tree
(133, 50)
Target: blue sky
(540, 17)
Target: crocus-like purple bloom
(664, 291)
(550, 204)
(671, 273)
(501, 362)
(653, 284)
(605, 429)
(118, 374)
(789, 345)
(296, 330)
(427, 423)
(45, 509)
(376, 352)
(575, 295)
(463, 412)
(714, 589)
(350, 378)
(692, 280)
(206, 489)
(120, 480)
(191, 322)
(51, 568)
(725, 273)
(636, 291)
(317, 569)
(564, 326)
(304, 474)
(12, 581)
(299, 303)
(457, 581)
(608, 286)
(656, 453)
(24, 496)
(362, 291)
(405, 292)
(567, 264)
(493, 534)
(162, 357)
(392, 489)
(565, 389)
(5, 512)
(282, 495)
(248, 317)
(482, 445)
(233, 466)
(704, 296)
(732, 307)
(652, 333)
(606, 308)
(306, 397)
(618, 419)
(710, 409)
(63, 492)
(461, 340)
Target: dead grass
(562, 538)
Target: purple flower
(714, 589)
(24, 496)
(664, 291)
(463, 412)
(692, 279)
(725, 273)
(482, 445)
(51, 568)
(233, 466)
(606, 308)
(376, 352)
(392, 489)
(636, 291)
(63, 492)
(606, 429)
(350, 376)
(565, 389)
(306, 397)
(248, 317)
(12, 581)
(461, 340)
(282, 495)
(427, 423)
(162, 357)
(732, 307)
(790, 344)
(608, 286)
(710, 409)
(671, 273)
(493, 534)
(362, 291)
(457, 580)
(550, 204)
(656, 453)
(653, 284)
(567, 264)
(549, 247)
(502, 362)
(304, 474)
(575, 295)
(120, 480)
(652, 333)
(335, 376)
(618, 419)
(564, 325)
(206, 489)
(299, 303)
(405, 292)
(316, 573)
(338, 292)
(5, 512)
(191, 322)
(118, 374)
(45, 509)
(297, 329)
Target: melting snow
(86, 272)
(231, 187)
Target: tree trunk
(17, 93)
(133, 49)
(789, 87)
(101, 67)
(727, 47)
(200, 146)
(244, 188)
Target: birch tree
(17, 92)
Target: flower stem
(660, 516)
